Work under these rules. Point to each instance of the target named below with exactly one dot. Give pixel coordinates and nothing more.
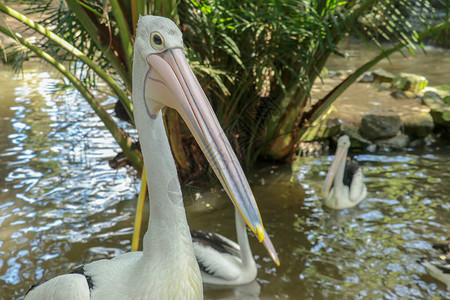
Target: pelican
(439, 268)
(344, 186)
(222, 261)
(167, 267)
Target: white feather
(226, 269)
(167, 268)
(64, 287)
(223, 265)
(436, 272)
(341, 196)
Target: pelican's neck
(168, 256)
(339, 179)
(242, 238)
(167, 228)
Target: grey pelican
(222, 261)
(344, 186)
(439, 268)
(166, 268)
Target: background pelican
(166, 268)
(439, 268)
(222, 261)
(344, 186)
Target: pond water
(61, 205)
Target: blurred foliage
(272, 52)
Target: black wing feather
(216, 241)
(444, 247)
(351, 167)
(80, 270)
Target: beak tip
(275, 259)
(260, 233)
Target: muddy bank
(386, 111)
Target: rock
(417, 123)
(357, 141)
(385, 86)
(416, 143)
(395, 143)
(423, 142)
(332, 74)
(381, 75)
(380, 126)
(429, 97)
(371, 148)
(400, 83)
(399, 94)
(442, 91)
(417, 83)
(429, 140)
(367, 78)
(410, 94)
(439, 110)
(410, 82)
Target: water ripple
(61, 205)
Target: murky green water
(61, 206)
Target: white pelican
(222, 261)
(439, 268)
(166, 268)
(344, 186)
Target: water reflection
(61, 206)
(371, 250)
(59, 196)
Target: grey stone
(381, 75)
(417, 83)
(367, 77)
(394, 143)
(357, 141)
(399, 94)
(418, 123)
(385, 86)
(431, 94)
(380, 126)
(371, 148)
(439, 110)
(441, 90)
(410, 82)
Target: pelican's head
(157, 41)
(339, 158)
(343, 142)
(167, 80)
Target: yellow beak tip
(260, 233)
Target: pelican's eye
(157, 41)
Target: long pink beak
(171, 78)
